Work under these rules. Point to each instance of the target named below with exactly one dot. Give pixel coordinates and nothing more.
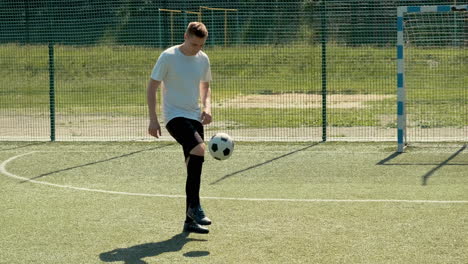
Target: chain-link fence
(282, 70)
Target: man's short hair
(197, 29)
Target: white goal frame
(401, 92)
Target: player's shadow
(136, 254)
(263, 163)
(426, 176)
(94, 162)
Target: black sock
(192, 186)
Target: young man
(185, 73)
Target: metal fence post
(324, 69)
(52, 91)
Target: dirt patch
(296, 100)
(105, 128)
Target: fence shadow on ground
(263, 163)
(426, 176)
(136, 254)
(94, 162)
(24, 146)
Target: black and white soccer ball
(221, 146)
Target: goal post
(224, 23)
(430, 45)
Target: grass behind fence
(112, 79)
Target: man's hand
(206, 118)
(154, 129)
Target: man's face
(194, 44)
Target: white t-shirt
(181, 76)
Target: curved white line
(5, 172)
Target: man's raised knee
(198, 150)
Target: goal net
(432, 74)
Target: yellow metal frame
(171, 11)
(226, 10)
(199, 14)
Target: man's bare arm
(205, 95)
(154, 128)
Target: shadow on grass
(427, 175)
(95, 162)
(24, 146)
(263, 163)
(136, 254)
(389, 158)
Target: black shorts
(183, 131)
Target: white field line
(238, 151)
(339, 151)
(5, 172)
(180, 151)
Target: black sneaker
(198, 215)
(193, 227)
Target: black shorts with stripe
(184, 130)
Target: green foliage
(138, 22)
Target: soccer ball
(221, 146)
